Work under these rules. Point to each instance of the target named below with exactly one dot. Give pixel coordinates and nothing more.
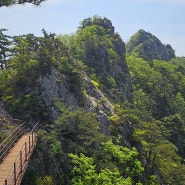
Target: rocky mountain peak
(104, 52)
(106, 23)
(99, 21)
(149, 47)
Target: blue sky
(163, 18)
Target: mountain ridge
(107, 116)
(149, 47)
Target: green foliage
(160, 153)
(51, 142)
(85, 171)
(173, 128)
(33, 179)
(46, 180)
(30, 177)
(156, 85)
(126, 159)
(169, 163)
(107, 177)
(102, 51)
(75, 131)
(111, 83)
(124, 117)
(2, 136)
(76, 148)
(179, 62)
(31, 57)
(79, 132)
(12, 2)
(56, 148)
(95, 83)
(6, 3)
(79, 129)
(159, 93)
(148, 47)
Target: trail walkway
(15, 161)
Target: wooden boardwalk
(14, 164)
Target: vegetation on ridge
(144, 143)
(149, 47)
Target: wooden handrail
(18, 169)
(10, 140)
(35, 128)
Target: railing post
(29, 144)
(15, 173)
(25, 151)
(5, 182)
(21, 162)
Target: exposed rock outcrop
(105, 54)
(55, 86)
(107, 24)
(108, 62)
(149, 47)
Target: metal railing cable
(20, 164)
(10, 140)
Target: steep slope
(6, 124)
(160, 97)
(55, 86)
(149, 47)
(103, 51)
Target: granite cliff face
(149, 47)
(54, 86)
(104, 53)
(107, 62)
